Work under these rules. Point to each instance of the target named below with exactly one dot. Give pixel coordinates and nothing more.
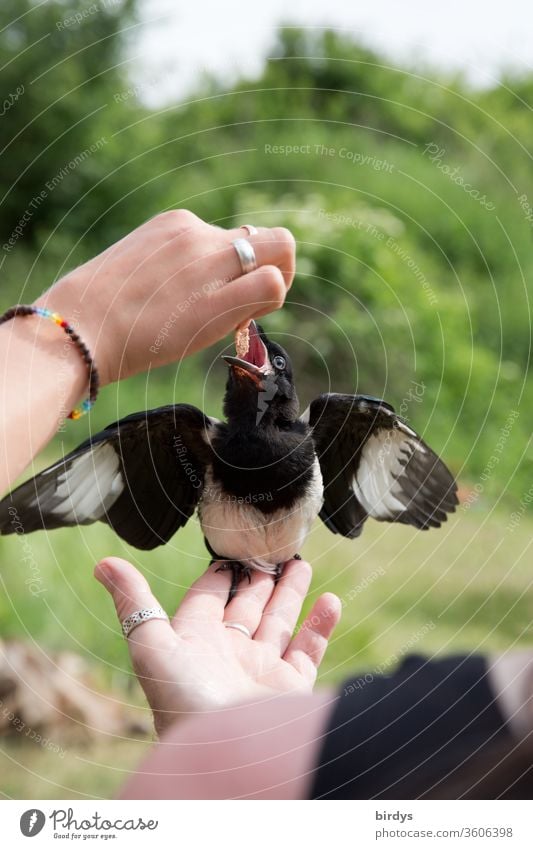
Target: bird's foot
(279, 568)
(239, 571)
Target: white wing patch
(89, 486)
(382, 462)
(406, 429)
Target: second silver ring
(246, 255)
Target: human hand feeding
(199, 661)
(169, 288)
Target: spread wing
(143, 475)
(374, 464)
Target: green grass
(93, 771)
(463, 588)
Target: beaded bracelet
(94, 381)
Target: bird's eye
(278, 362)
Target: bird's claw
(238, 572)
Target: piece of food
(242, 340)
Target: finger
(247, 605)
(307, 648)
(130, 592)
(260, 292)
(282, 611)
(271, 245)
(206, 599)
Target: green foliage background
(406, 278)
(403, 275)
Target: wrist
(70, 299)
(55, 375)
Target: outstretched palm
(197, 663)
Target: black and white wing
(374, 464)
(143, 475)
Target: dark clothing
(398, 736)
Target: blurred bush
(408, 192)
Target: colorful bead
(80, 411)
(23, 310)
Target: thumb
(130, 592)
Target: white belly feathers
(237, 530)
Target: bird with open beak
(258, 479)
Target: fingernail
(103, 573)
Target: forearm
(43, 378)
(265, 750)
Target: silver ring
(246, 255)
(140, 616)
(250, 229)
(238, 627)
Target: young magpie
(258, 480)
